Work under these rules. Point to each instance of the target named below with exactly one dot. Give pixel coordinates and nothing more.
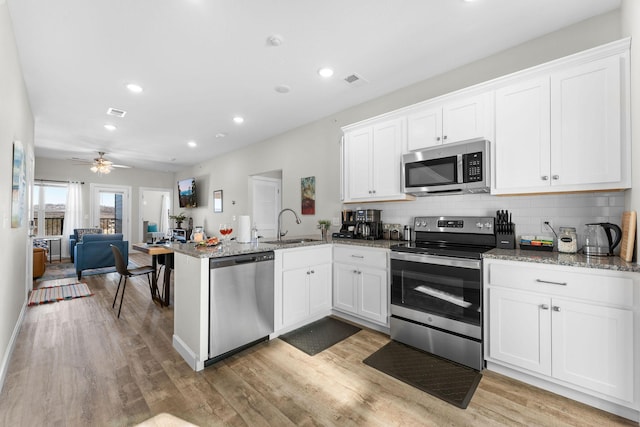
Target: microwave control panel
(472, 167)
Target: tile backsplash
(529, 212)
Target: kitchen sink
(290, 241)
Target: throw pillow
(82, 231)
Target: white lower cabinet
(302, 285)
(571, 326)
(361, 282)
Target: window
(111, 212)
(49, 204)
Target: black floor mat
(439, 377)
(320, 335)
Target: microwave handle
(460, 168)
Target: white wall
(16, 123)
(313, 150)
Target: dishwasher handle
(228, 261)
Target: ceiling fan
(100, 165)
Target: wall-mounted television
(187, 195)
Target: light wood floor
(77, 364)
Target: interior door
(266, 204)
(111, 209)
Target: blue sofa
(94, 251)
(76, 237)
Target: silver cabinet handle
(545, 177)
(544, 306)
(552, 283)
(357, 256)
(556, 177)
(556, 308)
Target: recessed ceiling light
(134, 88)
(192, 144)
(220, 135)
(238, 119)
(325, 72)
(110, 127)
(282, 89)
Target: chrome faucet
(298, 221)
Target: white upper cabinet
(566, 129)
(522, 148)
(372, 160)
(447, 121)
(586, 123)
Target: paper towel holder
(217, 201)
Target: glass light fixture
(101, 169)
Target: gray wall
(16, 123)
(313, 150)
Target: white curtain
(164, 215)
(72, 215)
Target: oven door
(441, 292)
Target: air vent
(355, 80)
(116, 112)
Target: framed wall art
(18, 186)
(308, 195)
(217, 201)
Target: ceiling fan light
(94, 169)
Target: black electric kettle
(598, 240)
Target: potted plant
(179, 218)
(323, 225)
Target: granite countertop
(558, 258)
(235, 248)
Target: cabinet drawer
(600, 286)
(304, 257)
(371, 257)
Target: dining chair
(121, 268)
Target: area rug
(439, 377)
(319, 335)
(59, 293)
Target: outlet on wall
(546, 225)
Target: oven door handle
(437, 260)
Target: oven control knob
(479, 225)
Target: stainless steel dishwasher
(241, 303)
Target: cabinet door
(387, 150)
(522, 143)
(358, 163)
(424, 129)
(319, 288)
(372, 294)
(586, 124)
(463, 119)
(593, 347)
(519, 329)
(295, 296)
(345, 279)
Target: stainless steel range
(436, 287)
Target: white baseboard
(187, 354)
(12, 344)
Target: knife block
(507, 240)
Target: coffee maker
(368, 225)
(360, 224)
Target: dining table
(156, 249)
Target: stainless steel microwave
(461, 167)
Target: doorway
(111, 209)
(155, 204)
(266, 202)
